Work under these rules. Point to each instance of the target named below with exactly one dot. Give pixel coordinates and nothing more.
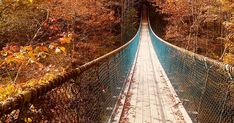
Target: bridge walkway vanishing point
(151, 97)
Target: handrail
(226, 67)
(33, 93)
(203, 85)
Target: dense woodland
(42, 39)
(202, 26)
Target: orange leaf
(42, 49)
(45, 49)
(28, 48)
(65, 40)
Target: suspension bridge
(147, 80)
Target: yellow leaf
(10, 89)
(27, 120)
(12, 59)
(229, 58)
(31, 54)
(28, 48)
(32, 82)
(19, 55)
(63, 49)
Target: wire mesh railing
(87, 94)
(205, 86)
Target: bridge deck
(151, 97)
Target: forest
(42, 39)
(205, 27)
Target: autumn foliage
(42, 39)
(204, 27)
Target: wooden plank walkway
(151, 98)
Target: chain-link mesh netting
(85, 95)
(205, 87)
